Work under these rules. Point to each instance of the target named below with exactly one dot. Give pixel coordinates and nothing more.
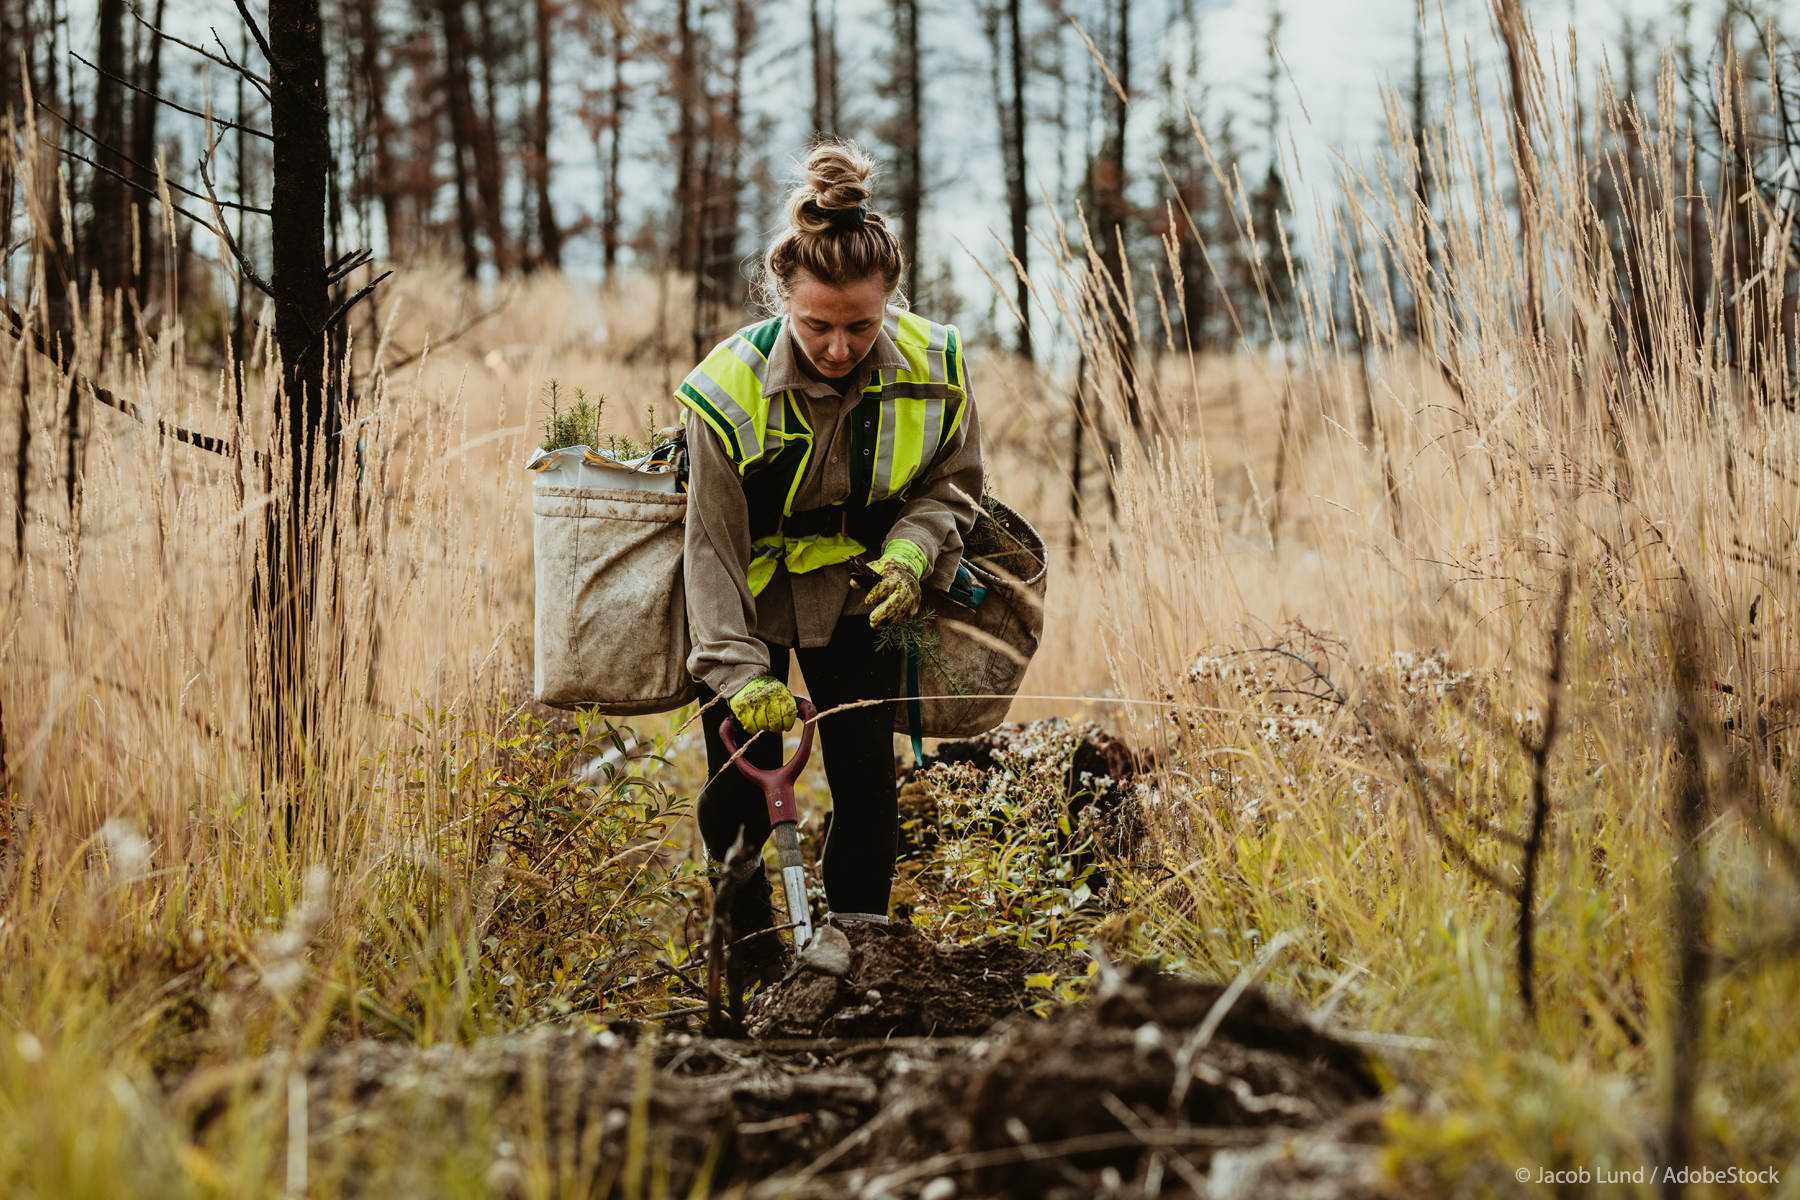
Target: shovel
(778, 790)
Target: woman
(840, 430)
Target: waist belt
(815, 522)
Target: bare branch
(164, 100)
(200, 441)
(262, 85)
(1540, 795)
(338, 314)
(149, 170)
(348, 263)
(224, 231)
(246, 72)
(127, 181)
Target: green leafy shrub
(997, 854)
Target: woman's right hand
(765, 705)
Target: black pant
(859, 765)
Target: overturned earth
(889, 1066)
(886, 1065)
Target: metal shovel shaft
(784, 811)
(793, 881)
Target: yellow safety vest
(904, 418)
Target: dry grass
(156, 913)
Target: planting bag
(981, 652)
(611, 625)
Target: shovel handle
(777, 786)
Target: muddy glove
(896, 597)
(765, 706)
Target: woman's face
(835, 326)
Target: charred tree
(616, 100)
(300, 288)
(824, 68)
(690, 100)
(906, 88)
(1421, 180)
(1107, 184)
(108, 236)
(461, 106)
(1012, 150)
(549, 233)
(145, 245)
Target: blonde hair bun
(832, 234)
(835, 178)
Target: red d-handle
(777, 786)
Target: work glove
(765, 706)
(896, 597)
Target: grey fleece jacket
(726, 622)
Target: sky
(1337, 59)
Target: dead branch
(224, 230)
(261, 83)
(126, 180)
(149, 170)
(1540, 796)
(200, 441)
(165, 101)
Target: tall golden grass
(1321, 597)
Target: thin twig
(164, 100)
(246, 72)
(338, 314)
(200, 441)
(224, 230)
(186, 191)
(127, 181)
(1540, 796)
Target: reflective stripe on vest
(903, 419)
(799, 555)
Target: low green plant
(999, 855)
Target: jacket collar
(784, 373)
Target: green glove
(896, 597)
(765, 706)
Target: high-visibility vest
(903, 420)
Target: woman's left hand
(896, 597)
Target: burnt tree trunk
(824, 69)
(490, 170)
(462, 133)
(687, 99)
(1421, 177)
(615, 121)
(1018, 198)
(909, 172)
(144, 242)
(549, 233)
(108, 240)
(1113, 213)
(302, 163)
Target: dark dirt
(901, 984)
(944, 1076)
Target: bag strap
(915, 717)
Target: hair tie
(839, 218)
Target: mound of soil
(891, 1068)
(898, 983)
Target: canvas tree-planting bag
(966, 681)
(611, 623)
